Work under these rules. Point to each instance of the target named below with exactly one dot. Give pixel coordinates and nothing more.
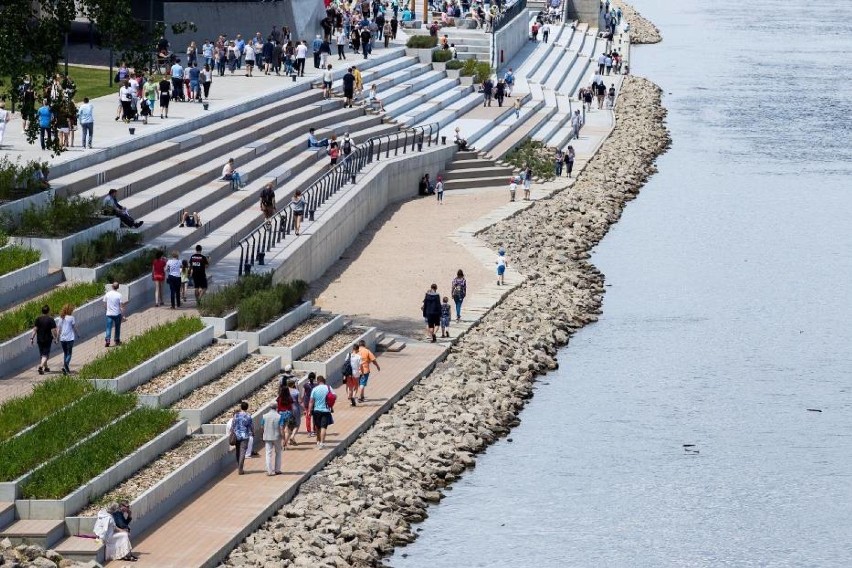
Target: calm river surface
(728, 315)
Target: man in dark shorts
(164, 88)
(198, 264)
(348, 87)
(44, 333)
(267, 201)
(320, 412)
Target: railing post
(242, 259)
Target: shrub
(61, 217)
(104, 247)
(48, 438)
(3, 239)
(422, 42)
(468, 68)
(227, 298)
(265, 305)
(454, 64)
(537, 155)
(16, 179)
(483, 71)
(120, 359)
(72, 469)
(441, 56)
(130, 270)
(45, 399)
(19, 320)
(15, 257)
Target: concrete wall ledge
(82, 496)
(197, 416)
(202, 376)
(293, 352)
(84, 274)
(330, 368)
(16, 284)
(147, 370)
(39, 200)
(220, 325)
(280, 326)
(58, 251)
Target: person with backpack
(352, 372)
(458, 289)
(347, 145)
(321, 404)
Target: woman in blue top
(45, 119)
(243, 428)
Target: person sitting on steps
(461, 142)
(190, 219)
(113, 207)
(230, 173)
(314, 142)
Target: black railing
(507, 15)
(262, 239)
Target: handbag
(330, 398)
(232, 438)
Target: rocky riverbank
(642, 30)
(363, 503)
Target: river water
(727, 317)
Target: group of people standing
(178, 274)
(437, 311)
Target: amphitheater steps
(471, 169)
(41, 533)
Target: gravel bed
(333, 344)
(301, 331)
(187, 366)
(259, 398)
(153, 473)
(202, 395)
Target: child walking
(184, 279)
(501, 266)
(439, 190)
(445, 317)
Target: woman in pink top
(158, 275)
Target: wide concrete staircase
(471, 169)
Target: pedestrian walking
(327, 81)
(297, 409)
(352, 372)
(297, 204)
(487, 89)
(5, 117)
(184, 279)
(545, 32)
(458, 290)
(320, 410)
(557, 162)
(165, 97)
(576, 124)
(86, 118)
(241, 435)
(301, 54)
(569, 160)
(315, 47)
(267, 201)
(367, 357)
(287, 415)
(68, 333)
(198, 264)
(513, 187)
(500, 92)
(501, 266)
(173, 277)
(517, 106)
(307, 389)
(45, 121)
(115, 305)
(445, 317)
(439, 190)
(432, 311)
(527, 182)
(272, 440)
(158, 275)
(44, 334)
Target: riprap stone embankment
(642, 30)
(363, 503)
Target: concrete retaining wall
(58, 251)
(16, 284)
(587, 11)
(330, 369)
(82, 274)
(280, 326)
(198, 416)
(509, 40)
(293, 352)
(147, 370)
(342, 220)
(13, 209)
(79, 499)
(202, 376)
(223, 324)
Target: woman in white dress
(117, 541)
(5, 116)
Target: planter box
(293, 352)
(13, 209)
(82, 274)
(58, 251)
(452, 73)
(157, 364)
(330, 369)
(465, 81)
(10, 491)
(80, 498)
(424, 55)
(169, 491)
(18, 281)
(89, 317)
(439, 65)
(195, 417)
(280, 326)
(223, 324)
(202, 376)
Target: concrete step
(467, 155)
(491, 181)
(81, 549)
(491, 171)
(396, 346)
(469, 162)
(42, 533)
(385, 343)
(528, 129)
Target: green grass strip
(118, 360)
(53, 435)
(21, 319)
(46, 398)
(71, 470)
(14, 258)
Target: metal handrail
(507, 15)
(262, 239)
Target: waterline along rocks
(363, 503)
(642, 30)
